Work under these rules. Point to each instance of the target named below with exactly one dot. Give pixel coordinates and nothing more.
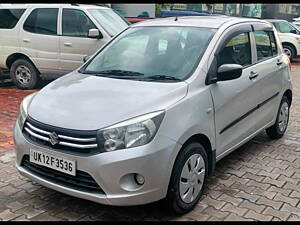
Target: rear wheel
(278, 129)
(188, 179)
(289, 51)
(24, 74)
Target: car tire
(289, 51)
(24, 74)
(185, 189)
(278, 129)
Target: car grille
(82, 181)
(71, 141)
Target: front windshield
(109, 20)
(153, 52)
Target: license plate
(52, 161)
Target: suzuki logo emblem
(53, 137)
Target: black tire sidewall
(291, 49)
(34, 74)
(173, 197)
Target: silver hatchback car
(148, 116)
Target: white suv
(289, 36)
(52, 39)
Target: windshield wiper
(125, 74)
(114, 73)
(163, 77)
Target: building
(281, 11)
(263, 11)
(135, 10)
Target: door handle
(68, 44)
(253, 75)
(26, 40)
(279, 63)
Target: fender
(14, 56)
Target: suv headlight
(130, 133)
(23, 112)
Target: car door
(269, 69)
(74, 41)
(39, 39)
(235, 101)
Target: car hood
(85, 102)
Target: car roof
(196, 21)
(87, 6)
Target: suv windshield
(152, 53)
(109, 20)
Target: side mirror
(95, 33)
(86, 58)
(293, 32)
(229, 72)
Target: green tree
(159, 7)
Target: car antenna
(176, 18)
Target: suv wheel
(289, 51)
(278, 129)
(24, 74)
(188, 179)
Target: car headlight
(130, 133)
(23, 112)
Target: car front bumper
(154, 161)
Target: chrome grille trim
(37, 129)
(37, 135)
(81, 143)
(61, 136)
(77, 145)
(77, 139)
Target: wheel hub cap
(283, 116)
(23, 74)
(287, 52)
(192, 178)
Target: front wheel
(187, 179)
(289, 51)
(278, 129)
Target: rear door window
(42, 21)
(10, 17)
(263, 45)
